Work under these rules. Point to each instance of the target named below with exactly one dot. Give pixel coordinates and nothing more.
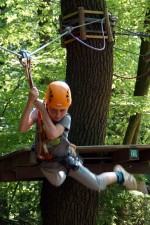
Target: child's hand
(33, 94)
(39, 104)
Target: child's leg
(100, 182)
(55, 173)
(91, 180)
(56, 178)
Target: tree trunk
(89, 74)
(65, 205)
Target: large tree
(89, 74)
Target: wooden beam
(70, 15)
(81, 23)
(93, 12)
(29, 173)
(109, 148)
(132, 167)
(22, 165)
(33, 173)
(108, 26)
(23, 157)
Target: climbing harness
(42, 151)
(70, 160)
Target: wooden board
(22, 165)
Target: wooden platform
(22, 165)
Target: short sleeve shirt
(65, 122)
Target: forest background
(22, 24)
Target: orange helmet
(58, 95)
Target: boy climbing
(57, 157)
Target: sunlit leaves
(118, 206)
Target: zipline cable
(128, 78)
(14, 53)
(138, 34)
(68, 30)
(32, 53)
(124, 50)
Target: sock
(120, 178)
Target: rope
(139, 76)
(134, 53)
(139, 34)
(89, 46)
(68, 30)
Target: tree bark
(65, 205)
(89, 75)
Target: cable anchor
(25, 54)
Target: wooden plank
(124, 155)
(96, 36)
(144, 155)
(21, 174)
(29, 173)
(33, 173)
(108, 27)
(93, 12)
(132, 167)
(85, 11)
(87, 36)
(22, 164)
(82, 27)
(24, 157)
(70, 15)
(8, 176)
(109, 148)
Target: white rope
(89, 46)
(68, 30)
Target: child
(56, 155)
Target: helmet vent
(67, 96)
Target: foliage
(19, 203)
(130, 21)
(47, 66)
(121, 207)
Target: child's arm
(26, 120)
(52, 131)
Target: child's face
(57, 114)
